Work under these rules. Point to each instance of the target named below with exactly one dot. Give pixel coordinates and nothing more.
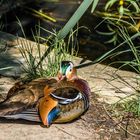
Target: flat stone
(11, 60)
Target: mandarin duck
(49, 101)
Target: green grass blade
(95, 2)
(74, 19)
(6, 68)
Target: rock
(11, 59)
(5, 84)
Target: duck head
(67, 71)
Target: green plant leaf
(75, 18)
(41, 14)
(113, 39)
(6, 68)
(106, 33)
(121, 10)
(109, 4)
(95, 2)
(135, 6)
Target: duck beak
(61, 76)
(48, 111)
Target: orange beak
(60, 76)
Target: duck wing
(24, 96)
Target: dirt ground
(107, 84)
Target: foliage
(70, 24)
(76, 16)
(123, 7)
(122, 20)
(120, 13)
(56, 44)
(49, 66)
(123, 31)
(40, 14)
(131, 106)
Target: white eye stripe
(71, 64)
(60, 69)
(68, 69)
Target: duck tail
(29, 115)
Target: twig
(65, 132)
(128, 132)
(126, 128)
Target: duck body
(48, 100)
(71, 101)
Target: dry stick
(66, 132)
(132, 134)
(105, 14)
(125, 82)
(126, 128)
(136, 125)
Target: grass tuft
(132, 106)
(48, 66)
